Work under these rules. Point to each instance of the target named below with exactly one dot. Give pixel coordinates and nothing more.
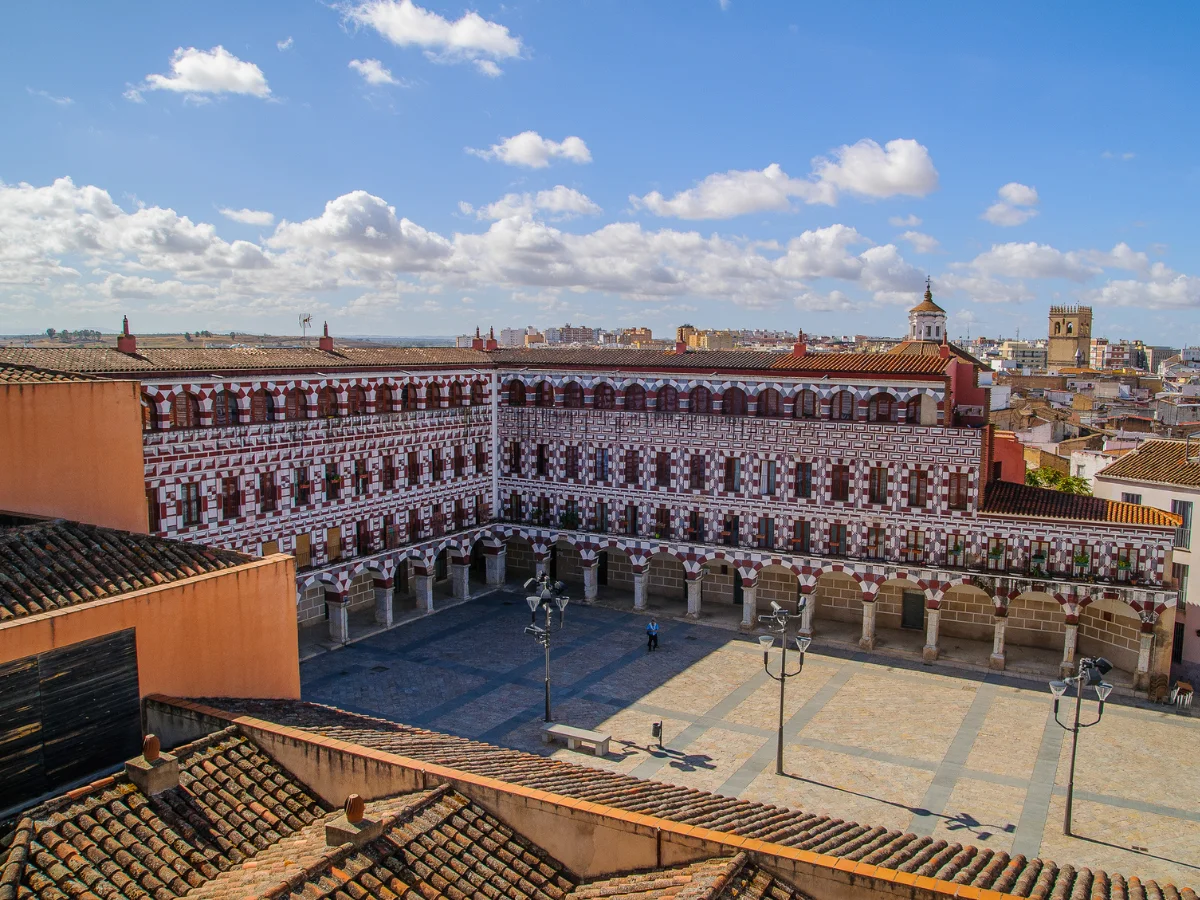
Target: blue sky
(744, 164)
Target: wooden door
(912, 610)
(333, 543)
(303, 551)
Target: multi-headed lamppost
(1090, 674)
(776, 623)
(546, 594)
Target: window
(696, 465)
(460, 515)
(882, 408)
(603, 397)
(662, 469)
(997, 556)
(695, 525)
(804, 479)
(667, 399)
(333, 482)
(766, 532)
(918, 487)
(383, 399)
(1183, 534)
(514, 457)
(190, 503)
(225, 409)
(1179, 574)
(481, 511)
(433, 395)
(356, 401)
(600, 522)
(838, 543)
(602, 464)
(801, 536)
(958, 490)
(635, 398)
(544, 394)
(877, 487)
(295, 405)
(301, 488)
(841, 484)
(362, 538)
(303, 551)
(414, 468)
(631, 467)
(1039, 557)
(767, 477)
(327, 403)
(543, 460)
(388, 473)
(436, 466)
(514, 507)
(480, 458)
(662, 524)
(478, 393)
(700, 400)
(266, 492)
(362, 478)
(731, 531)
(733, 402)
(630, 519)
(876, 543)
(408, 398)
(414, 524)
(460, 463)
(262, 407)
(733, 475)
(1131, 498)
(437, 522)
(842, 408)
(769, 403)
(456, 394)
(912, 411)
(914, 547)
(231, 498)
(185, 411)
(333, 544)
(152, 510)
(571, 462)
(806, 405)
(516, 393)
(573, 395)
(149, 416)
(391, 535)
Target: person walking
(652, 635)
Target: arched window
(770, 404)
(806, 405)
(842, 407)
(912, 411)
(668, 399)
(573, 395)
(433, 395)
(149, 416)
(478, 393)
(408, 398)
(882, 408)
(1070, 328)
(1058, 327)
(456, 396)
(544, 394)
(603, 397)
(357, 401)
(700, 400)
(225, 409)
(262, 407)
(516, 393)
(733, 402)
(635, 398)
(383, 398)
(296, 405)
(185, 411)
(327, 403)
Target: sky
(403, 169)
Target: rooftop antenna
(305, 324)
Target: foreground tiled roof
(109, 840)
(932, 348)
(723, 878)
(14, 374)
(55, 564)
(1005, 498)
(888, 848)
(1164, 462)
(585, 357)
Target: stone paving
(960, 755)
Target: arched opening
(881, 408)
(779, 584)
(383, 399)
(296, 405)
(356, 401)
(1070, 328)
(733, 402)
(842, 407)
(149, 416)
(478, 393)
(516, 393)
(806, 405)
(185, 411)
(770, 404)
(544, 394)
(225, 409)
(837, 607)
(573, 395)
(700, 400)
(1058, 327)
(635, 398)
(921, 410)
(456, 394)
(667, 399)
(408, 398)
(262, 407)
(603, 396)
(519, 562)
(327, 403)
(433, 395)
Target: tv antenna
(305, 324)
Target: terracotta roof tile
(14, 374)
(56, 564)
(1163, 462)
(626, 358)
(1005, 498)
(865, 363)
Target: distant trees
(1056, 481)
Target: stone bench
(595, 740)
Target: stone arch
(573, 395)
(733, 402)
(780, 582)
(185, 410)
(514, 392)
(882, 406)
(808, 405)
(603, 396)
(700, 400)
(519, 556)
(456, 394)
(665, 576)
(635, 398)
(843, 406)
(479, 391)
(769, 404)
(667, 399)
(356, 400)
(433, 395)
(295, 404)
(327, 402)
(384, 398)
(262, 406)
(543, 394)
(836, 596)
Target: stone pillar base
(996, 662)
(383, 606)
(460, 580)
(591, 586)
(749, 603)
(424, 592)
(929, 654)
(1066, 670)
(639, 590)
(693, 598)
(494, 564)
(1141, 681)
(339, 620)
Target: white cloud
(373, 71)
(834, 301)
(215, 71)
(560, 202)
(533, 151)
(46, 95)
(909, 221)
(566, 201)
(1032, 260)
(901, 166)
(922, 243)
(725, 4)
(1123, 157)
(285, 44)
(248, 216)
(1015, 207)
(470, 38)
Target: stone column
(749, 603)
(539, 562)
(591, 587)
(1069, 639)
(930, 651)
(693, 582)
(996, 660)
(639, 589)
(867, 641)
(383, 601)
(460, 579)
(339, 618)
(1141, 678)
(494, 561)
(806, 616)
(423, 586)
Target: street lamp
(1090, 674)
(776, 622)
(548, 595)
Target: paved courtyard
(964, 756)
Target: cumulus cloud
(559, 202)
(909, 221)
(470, 38)
(199, 72)
(373, 71)
(922, 243)
(248, 216)
(531, 150)
(898, 167)
(46, 95)
(1015, 206)
(1032, 260)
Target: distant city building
(534, 339)
(571, 334)
(1070, 336)
(463, 341)
(1024, 354)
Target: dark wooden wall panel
(21, 770)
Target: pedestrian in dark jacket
(652, 635)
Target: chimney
(477, 341)
(680, 348)
(126, 342)
(944, 349)
(326, 342)
(154, 771)
(351, 827)
(491, 344)
(800, 348)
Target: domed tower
(927, 320)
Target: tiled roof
(1164, 462)
(723, 878)
(14, 374)
(932, 348)
(865, 363)
(625, 358)
(55, 564)
(1005, 498)
(905, 852)
(74, 359)
(108, 840)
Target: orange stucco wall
(225, 634)
(1010, 453)
(74, 450)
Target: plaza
(961, 755)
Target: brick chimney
(154, 771)
(492, 343)
(680, 348)
(477, 341)
(944, 349)
(126, 342)
(326, 342)
(800, 348)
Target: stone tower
(1070, 333)
(927, 320)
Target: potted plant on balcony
(569, 520)
(1123, 569)
(995, 553)
(1081, 561)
